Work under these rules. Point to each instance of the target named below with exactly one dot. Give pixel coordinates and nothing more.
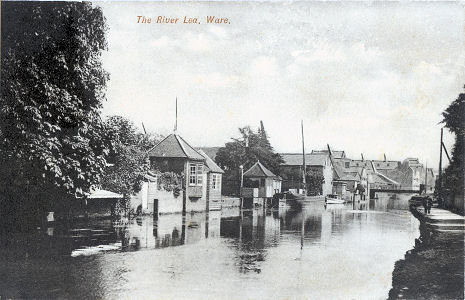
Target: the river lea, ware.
(345, 252)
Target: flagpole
(176, 120)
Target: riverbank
(434, 269)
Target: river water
(334, 252)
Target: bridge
(392, 191)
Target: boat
(333, 199)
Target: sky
(369, 78)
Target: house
(214, 180)
(347, 163)
(178, 179)
(260, 185)
(410, 174)
(348, 174)
(317, 161)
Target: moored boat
(333, 199)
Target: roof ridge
(261, 166)
(177, 137)
(187, 145)
(158, 143)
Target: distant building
(336, 153)
(318, 161)
(346, 178)
(410, 174)
(347, 163)
(200, 179)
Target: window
(216, 181)
(192, 175)
(195, 174)
(347, 164)
(199, 174)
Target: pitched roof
(104, 194)
(211, 165)
(176, 147)
(296, 159)
(258, 170)
(336, 153)
(381, 178)
(349, 177)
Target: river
(334, 252)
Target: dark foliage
(314, 180)
(247, 150)
(52, 88)
(454, 120)
(127, 158)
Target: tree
(454, 120)
(128, 159)
(247, 150)
(52, 88)
(314, 180)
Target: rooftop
(336, 153)
(211, 165)
(296, 159)
(258, 170)
(174, 146)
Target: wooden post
(186, 185)
(441, 203)
(426, 178)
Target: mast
(303, 158)
(145, 132)
(440, 172)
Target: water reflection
(272, 253)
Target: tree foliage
(127, 158)
(52, 89)
(314, 180)
(454, 120)
(247, 150)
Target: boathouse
(260, 185)
(172, 160)
(98, 203)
